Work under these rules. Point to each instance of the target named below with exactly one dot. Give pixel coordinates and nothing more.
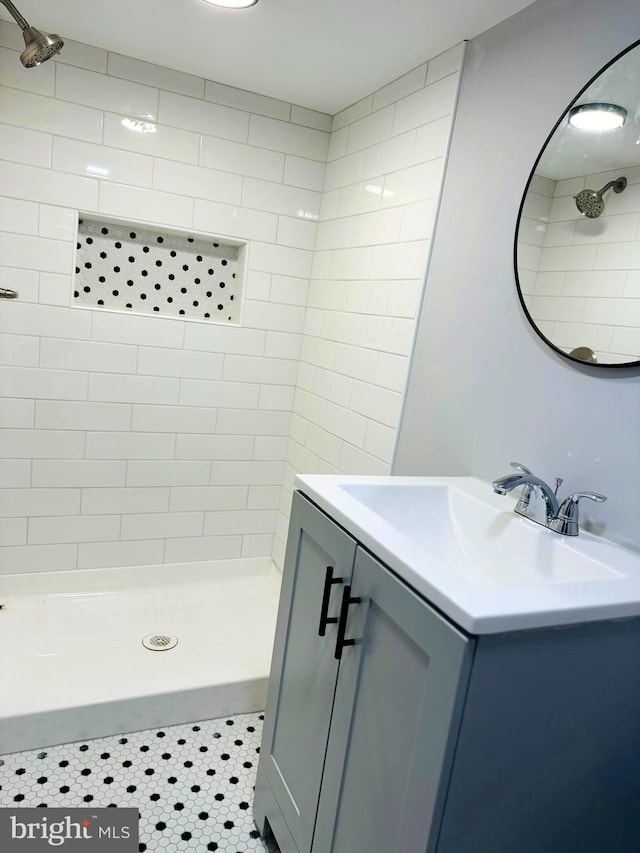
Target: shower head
(38, 46)
(590, 202)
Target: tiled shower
(138, 440)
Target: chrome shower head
(38, 46)
(590, 202)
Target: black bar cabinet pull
(342, 626)
(325, 620)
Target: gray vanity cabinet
(303, 677)
(423, 739)
(346, 742)
(396, 711)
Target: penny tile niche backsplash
(125, 267)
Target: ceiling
(323, 55)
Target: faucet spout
(510, 481)
(537, 501)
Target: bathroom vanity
(422, 700)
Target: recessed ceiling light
(597, 116)
(232, 4)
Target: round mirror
(577, 248)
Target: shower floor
(73, 664)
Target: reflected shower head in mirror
(38, 46)
(590, 202)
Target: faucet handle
(593, 496)
(566, 521)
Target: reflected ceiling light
(139, 125)
(232, 4)
(98, 171)
(597, 116)
(376, 189)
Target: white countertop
(605, 584)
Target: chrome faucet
(539, 501)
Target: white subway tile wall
(139, 440)
(534, 223)
(132, 439)
(579, 275)
(384, 168)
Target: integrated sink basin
(463, 548)
(473, 536)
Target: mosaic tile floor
(193, 783)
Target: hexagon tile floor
(193, 783)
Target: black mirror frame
(532, 323)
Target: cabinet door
(304, 670)
(396, 714)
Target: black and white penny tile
(125, 267)
(192, 783)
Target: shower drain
(159, 642)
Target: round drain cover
(159, 642)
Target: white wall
(484, 389)
(384, 172)
(129, 439)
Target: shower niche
(141, 269)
